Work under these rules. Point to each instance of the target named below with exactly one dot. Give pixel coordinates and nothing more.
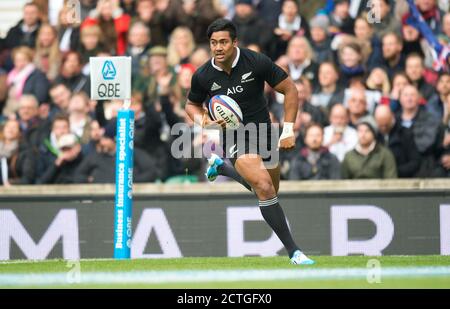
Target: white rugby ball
(224, 107)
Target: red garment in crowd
(122, 24)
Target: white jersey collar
(235, 61)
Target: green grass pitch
(248, 272)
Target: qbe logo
(110, 90)
(110, 78)
(109, 70)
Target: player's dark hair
(222, 25)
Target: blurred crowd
(373, 86)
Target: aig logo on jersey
(234, 90)
(247, 77)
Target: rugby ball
(224, 107)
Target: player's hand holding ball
(208, 123)
(287, 138)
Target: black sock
(228, 170)
(274, 216)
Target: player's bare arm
(287, 138)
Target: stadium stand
(343, 56)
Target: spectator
(68, 30)
(181, 90)
(357, 106)
(399, 140)
(71, 73)
(302, 121)
(373, 97)
(308, 112)
(301, 59)
(154, 20)
(351, 62)
(25, 32)
(140, 122)
(340, 19)
(393, 58)
(16, 161)
(415, 70)
(199, 57)
(444, 37)
(251, 28)
(314, 161)
(95, 134)
(437, 104)
(113, 23)
(139, 42)
(48, 147)
(128, 6)
(47, 57)
(196, 15)
(157, 66)
(369, 159)
(370, 43)
(159, 131)
(444, 5)
(411, 39)
(388, 22)
(339, 137)
(86, 6)
(90, 45)
(320, 40)
(290, 23)
(99, 167)
(225, 8)
(79, 116)
(399, 81)
(426, 130)
(269, 10)
(430, 13)
(63, 169)
(328, 91)
(181, 46)
(31, 126)
(443, 167)
(60, 95)
(25, 78)
(378, 80)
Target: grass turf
(246, 263)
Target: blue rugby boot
(213, 163)
(301, 259)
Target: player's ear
(235, 42)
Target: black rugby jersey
(245, 84)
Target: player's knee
(264, 189)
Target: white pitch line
(6, 262)
(196, 276)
